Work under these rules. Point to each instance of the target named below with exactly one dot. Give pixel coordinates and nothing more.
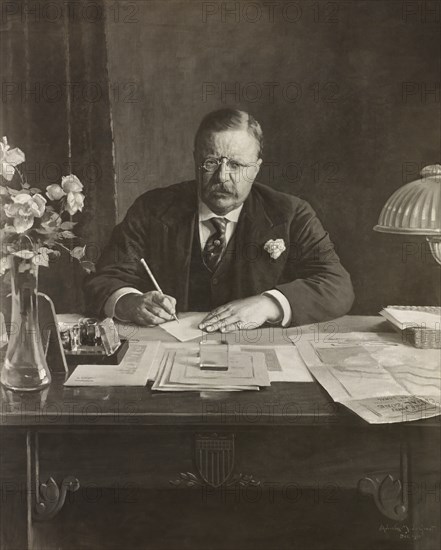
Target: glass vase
(25, 367)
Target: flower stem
(22, 179)
(63, 247)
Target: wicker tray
(422, 338)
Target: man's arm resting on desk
(284, 304)
(313, 281)
(110, 305)
(321, 288)
(119, 267)
(269, 307)
(110, 308)
(128, 304)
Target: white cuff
(109, 306)
(282, 300)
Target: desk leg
(424, 488)
(16, 510)
(390, 495)
(49, 497)
(29, 492)
(13, 486)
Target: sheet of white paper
(244, 369)
(132, 371)
(395, 408)
(187, 328)
(173, 357)
(284, 363)
(380, 379)
(157, 366)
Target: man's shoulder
(278, 204)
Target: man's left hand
(248, 313)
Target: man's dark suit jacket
(160, 227)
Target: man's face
(224, 187)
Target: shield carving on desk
(214, 457)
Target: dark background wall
(55, 107)
(347, 92)
(348, 95)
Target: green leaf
(67, 235)
(89, 267)
(78, 252)
(50, 241)
(25, 254)
(9, 229)
(68, 225)
(41, 259)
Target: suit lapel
(245, 260)
(179, 222)
(246, 264)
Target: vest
(202, 294)
(199, 292)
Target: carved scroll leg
(49, 496)
(388, 493)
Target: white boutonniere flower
(275, 248)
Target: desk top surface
(280, 404)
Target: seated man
(224, 244)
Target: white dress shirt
(206, 229)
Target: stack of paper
(427, 317)
(177, 369)
(284, 363)
(133, 370)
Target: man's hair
(229, 119)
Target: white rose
(275, 248)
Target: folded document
(375, 375)
(178, 370)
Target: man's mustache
(222, 189)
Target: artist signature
(412, 532)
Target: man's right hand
(151, 308)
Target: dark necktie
(216, 244)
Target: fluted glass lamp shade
(415, 209)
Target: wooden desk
(280, 468)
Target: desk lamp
(415, 209)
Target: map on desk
(376, 375)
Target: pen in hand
(154, 281)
